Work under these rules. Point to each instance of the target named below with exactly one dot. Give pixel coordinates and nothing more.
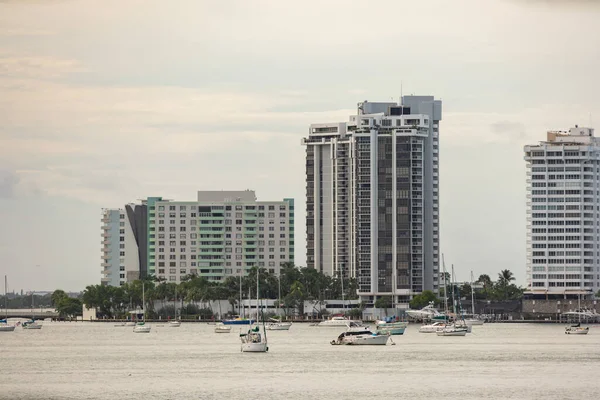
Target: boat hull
(7, 328)
(474, 322)
(574, 331)
(221, 330)
(445, 332)
(282, 326)
(254, 348)
(176, 324)
(390, 330)
(32, 326)
(141, 329)
(365, 340)
(337, 323)
(238, 322)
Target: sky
(106, 102)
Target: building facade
(563, 217)
(220, 234)
(372, 193)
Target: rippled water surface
(99, 361)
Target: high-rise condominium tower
(372, 193)
(221, 234)
(563, 217)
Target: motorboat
(5, 327)
(473, 321)
(576, 329)
(432, 328)
(174, 324)
(392, 328)
(141, 327)
(31, 325)
(426, 313)
(336, 322)
(221, 328)
(452, 330)
(253, 341)
(238, 321)
(360, 336)
(278, 326)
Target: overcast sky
(105, 102)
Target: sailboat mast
(342, 278)
(472, 296)
(240, 305)
(144, 300)
(5, 298)
(445, 288)
(453, 300)
(279, 293)
(257, 312)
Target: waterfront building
(563, 200)
(220, 234)
(372, 195)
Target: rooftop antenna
(400, 103)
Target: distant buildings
(563, 217)
(220, 234)
(372, 193)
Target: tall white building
(220, 234)
(563, 213)
(372, 192)
(120, 251)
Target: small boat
(426, 313)
(174, 324)
(130, 323)
(452, 330)
(432, 328)
(277, 325)
(221, 328)
(141, 327)
(576, 330)
(121, 324)
(31, 325)
(253, 341)
(238, 321)
(336, 322)
(360, 336)
(391, 326)
(473, 321)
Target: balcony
(106, 220)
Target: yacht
(276, 325)
(432, 328)
(426, 313)
(361, 335)
(337, 322)
(222, 328)
(452, 330)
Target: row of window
(237, 207)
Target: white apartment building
(120, 251)
(372, 189)
(220, 234)
(563, 213)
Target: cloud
(36, 67)
(13, 32)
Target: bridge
(37, 313)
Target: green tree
(423, 299)
(384, 302)
(69, 307)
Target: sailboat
(452, 329)
(278, 324)
(4, 326)
(32, 324)
(141, 327)
(473, 321)
(174, 323)
(577, 329)
(253, 341)
(239, 320)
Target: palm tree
(505, 277)
(486, 281)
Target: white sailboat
(473, 321)
(4, 326)
(278, 324)
(452, 329)
(141, 327)
(577, 329)
(253, 341)
(32, 324)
